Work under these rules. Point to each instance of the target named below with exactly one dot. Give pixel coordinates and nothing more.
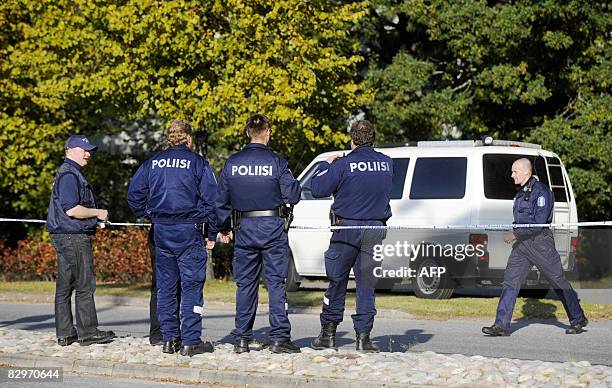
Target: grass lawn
(458, 307)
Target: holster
(286, 213)
(333, 218)
(235, 220)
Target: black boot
(577, 328)
(199, 348)
(495, 331)
(171, 347)
(241, 345)
(327, 337)
(284, 346)
(364, 343)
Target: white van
(445, 183)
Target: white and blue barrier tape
(387, 227)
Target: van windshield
(400, 166)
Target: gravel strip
(426, 368)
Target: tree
(97, 67)
(535, 70)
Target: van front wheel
(428, 283)
(293, 280)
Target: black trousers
(74, 272)
(155, 328)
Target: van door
(308, 246)
(495, 207)
(561, 212)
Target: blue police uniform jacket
(176, 186)
(533, 208)
(360, 183)
(57, 219)
(255, 178)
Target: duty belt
(260, 213)
(335, 219)
(285, 212)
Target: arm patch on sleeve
(541, 201)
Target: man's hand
(332, 158)
(509, 237)
(226, 237)
(210, 244)
(102, 214)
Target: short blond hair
(179, 133)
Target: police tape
(374, 227)
(100, 224)
(456, 227)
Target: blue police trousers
(180, 256)
(541, 252)
(351, 249)
(261, 241)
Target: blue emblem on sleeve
(541, 201)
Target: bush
(120, 256)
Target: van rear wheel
(432, 285)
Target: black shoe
(156, 341)
(65, 341)
(255, 344)
(285, 346)
(364, 343)
(192, 350)
(327, 337)
(495, 331)
(577, 328)
(172, 346)
(241, 345)
(100, 337)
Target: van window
(497, 171)
(439, 178)
(305, 183)
(400, 166)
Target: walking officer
(361, 185)
(176, 188)
(254, 188)
(533, 204)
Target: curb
(146, 371)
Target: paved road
(537, 340)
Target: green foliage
(95, 67)
(535, 70)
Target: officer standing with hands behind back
(361, 185)
(177, 189)
(254, 188)
(533, 204)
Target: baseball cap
(80, 141)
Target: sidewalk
(134, 357)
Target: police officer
(256, 185)
(177, 189)
(71, 221)
(533, 204)
(361, 185)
